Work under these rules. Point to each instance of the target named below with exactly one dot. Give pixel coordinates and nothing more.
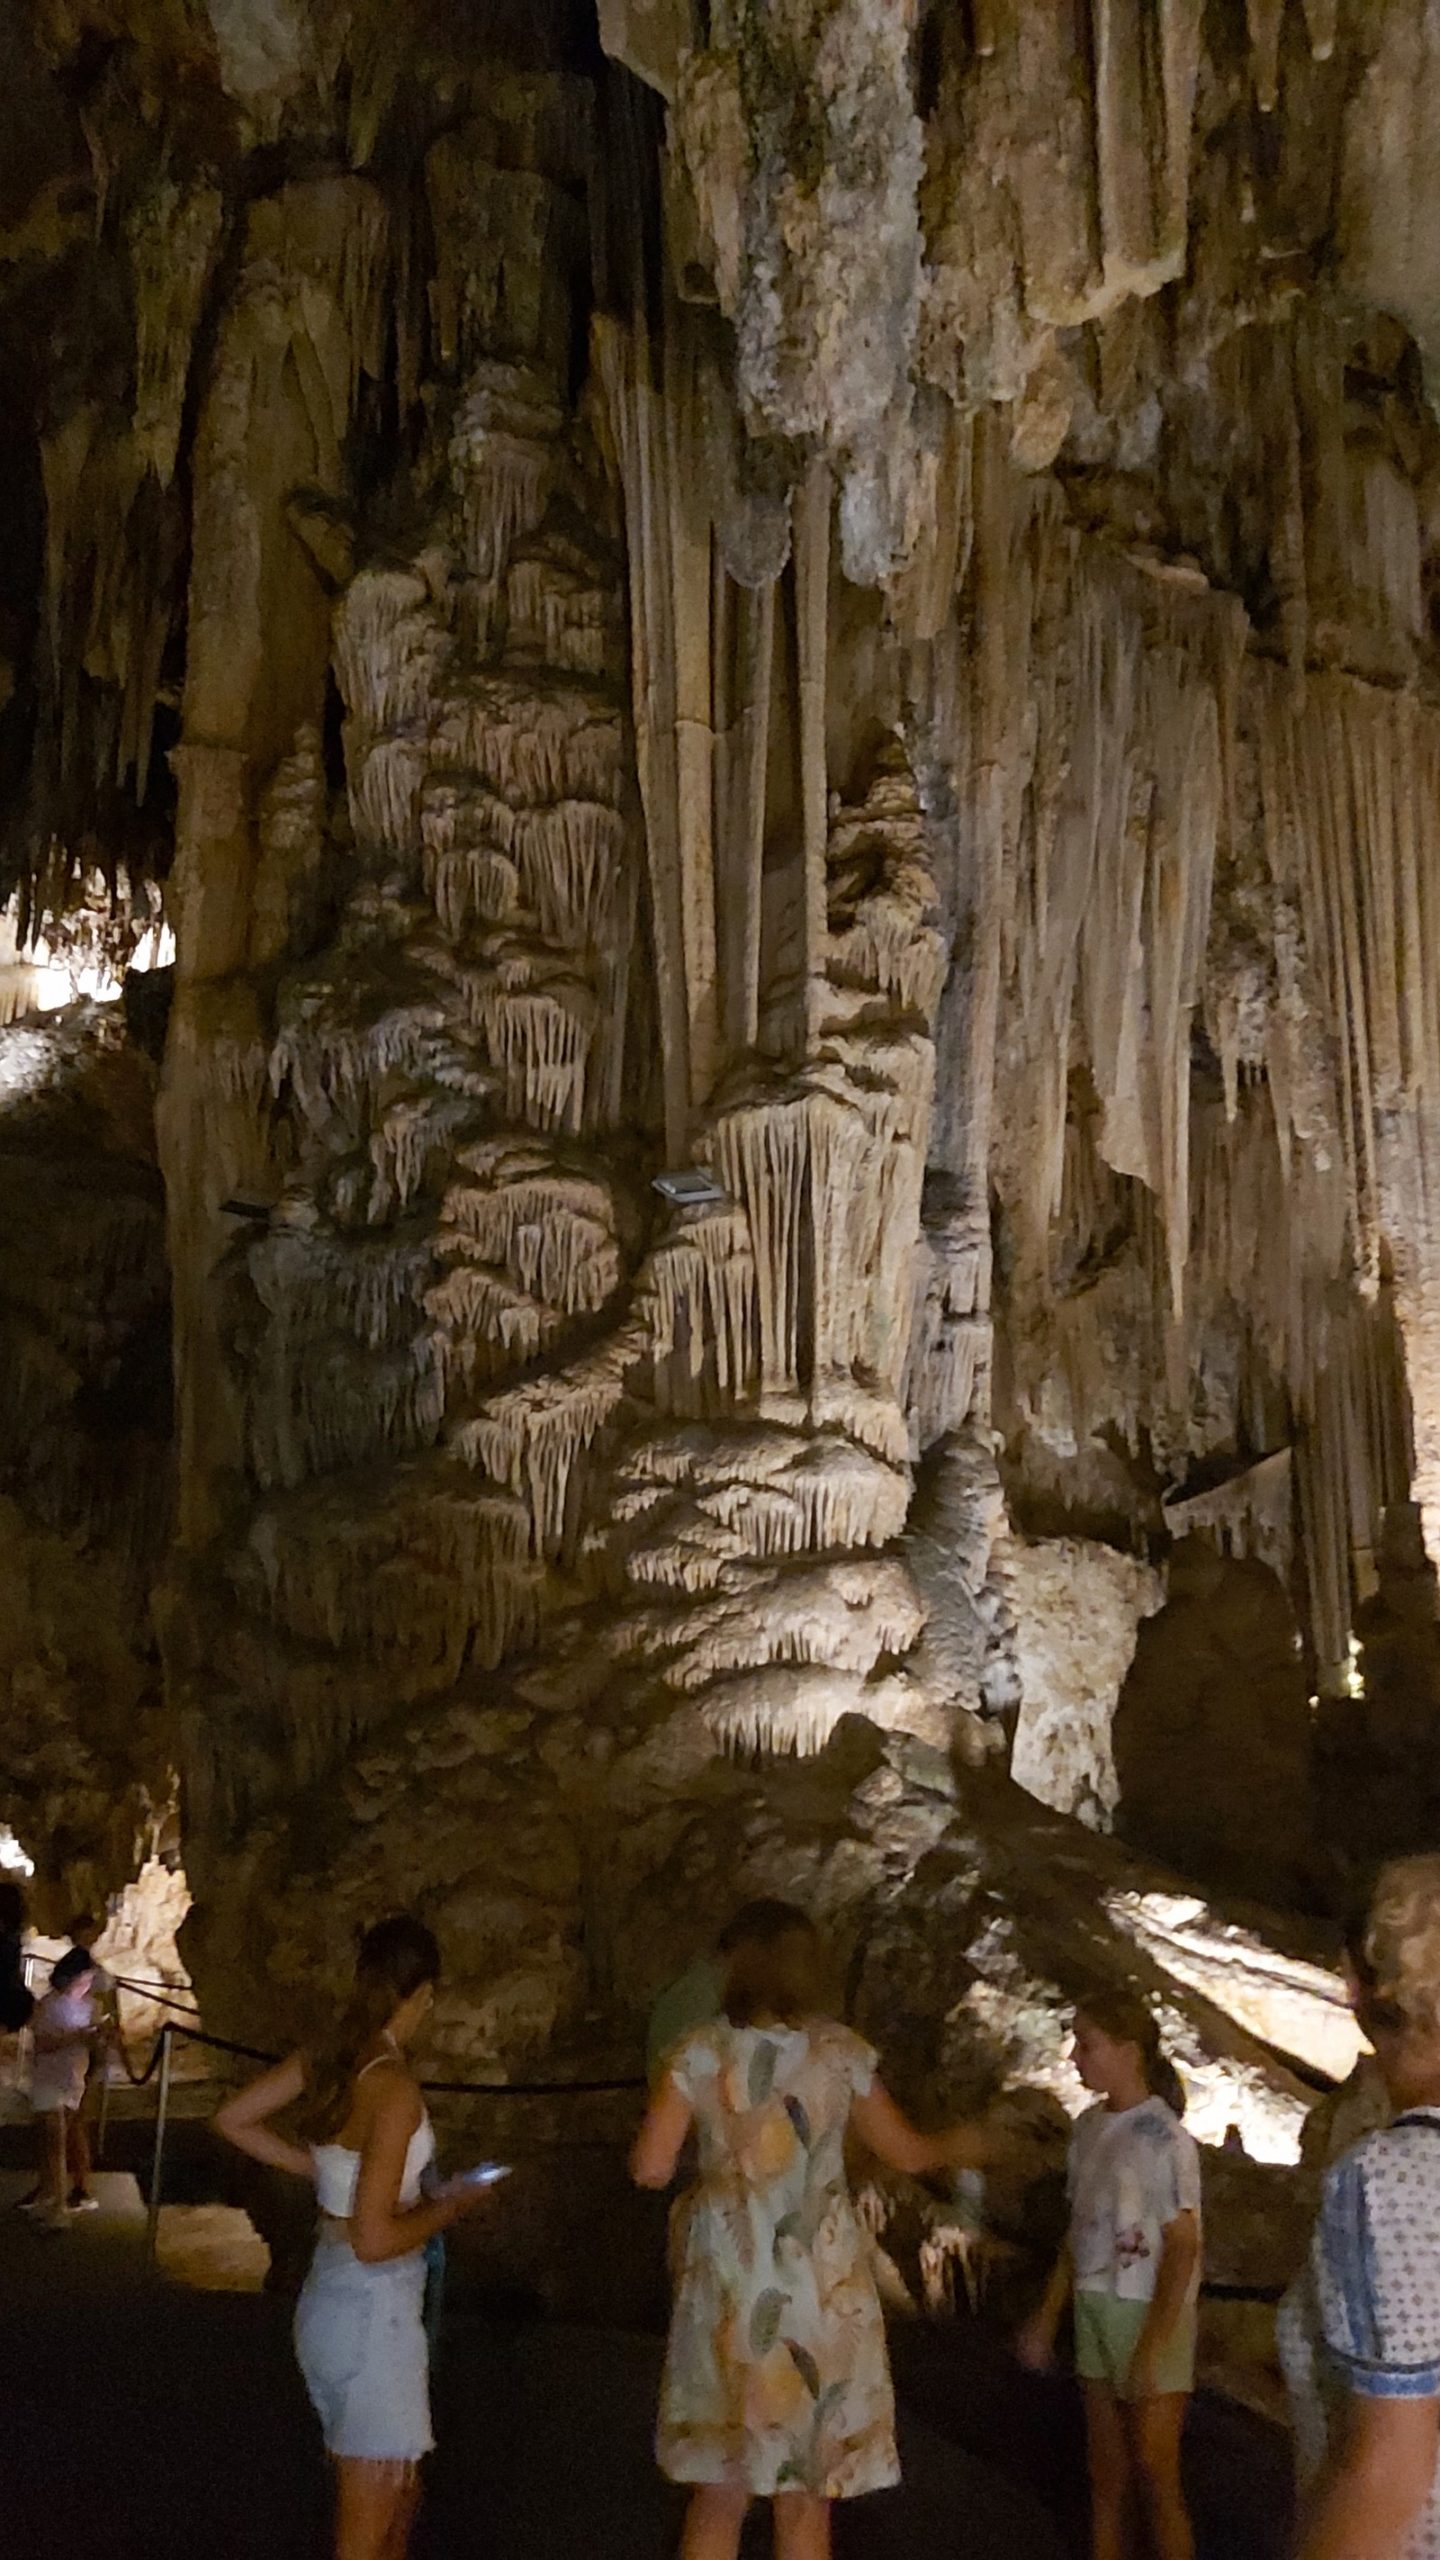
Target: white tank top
(337, 2167)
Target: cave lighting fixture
(693, 1186)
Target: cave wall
(86, 1463)
(640, 612)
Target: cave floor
(143, 2419)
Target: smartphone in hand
(488, 2174)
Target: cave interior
(838, 600)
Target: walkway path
(139, 2421)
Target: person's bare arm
(1371, 2496)
(1180, 2249)
(661, 2138)
(244, 2119)
(894, 2139)
(1035, 2343)
(380, 2226)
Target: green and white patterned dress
(776, 2376)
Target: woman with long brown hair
(366, 2142)
(777, 2383)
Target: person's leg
(802, 2527)
(1156, 2428)
(77, 2153)
(52, 2160)
(407, 2500)
(1108, 2451)
(369, 2497)
(714, 2522)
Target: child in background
(65, 2029)
(1132, 2265)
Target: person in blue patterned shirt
(1376, 2256)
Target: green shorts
(1107, 2333)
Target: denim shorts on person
(1107, 2333)
(360, 2341)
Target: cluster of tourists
(776, 2382)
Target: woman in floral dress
(777, 2382)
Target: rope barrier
(166, 1995)
(432, 2088)
(169, 1995)
(443, 2088)
(161, 2058)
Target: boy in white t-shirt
(1132, 2267)
(65, 2029)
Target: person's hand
(462, 2194)
(1140, 2381)
(1035, 2344)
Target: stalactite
(386, 781)
(1127, 806)
(390, 648)
(1355, 1459)
(329, 1059)
(510, 244)
(528, 747)
(1249, 1514)
(408, 1585)
(796, 1708)
(700, 1286)
(769, 1492)
(504, 463)
(847, 1615)
(947, 1371)
(657, 442)
(531, 1247)
(173, 235)
(292, 823)
(741, 814)
(762, 1155)
(1145, 66)
(538, 1038)
(888, 938)
(1351, 788)
(1264, 20)
(530, 1438)
(812, 607)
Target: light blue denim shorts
(360, 2340)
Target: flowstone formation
(830, 602)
